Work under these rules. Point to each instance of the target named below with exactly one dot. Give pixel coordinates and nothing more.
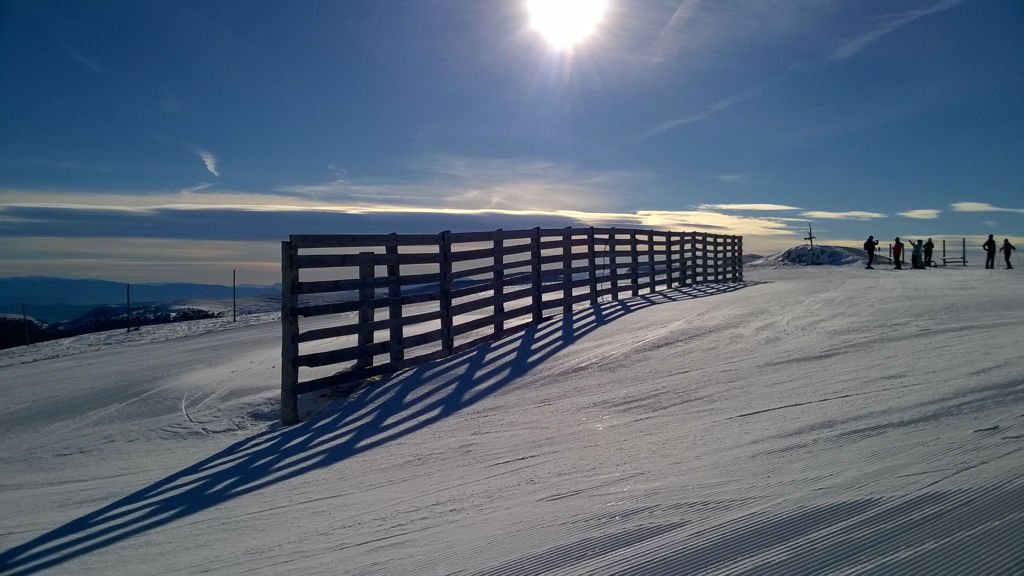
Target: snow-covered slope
(816, 420)
(817, 256)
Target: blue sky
(151, 141)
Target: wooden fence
(444, 293)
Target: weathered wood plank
(302, 241)
(289, 337)
(445, 249)
(355, 260)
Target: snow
(816, 256)
(824, 419)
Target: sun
(565, 23)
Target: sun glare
(564, 23)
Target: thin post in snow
(128, 307)
(234, 299)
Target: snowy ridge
(782, 426)
(818, 256)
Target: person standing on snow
(917, 256)
(897, 253)
(1007, 248)
(929, 246)
(990, 253)
(869, 247)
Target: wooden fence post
(535, 276)
(289, 337)
(668, 260)
(444, 244)
(367, 293)
(499, 281)
(592, 265)
(613, 267)
(567, 271)
(693, 259)
(397, 353)
(634, 270)
(652, 275)
(739, 258)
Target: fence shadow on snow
(393, 408)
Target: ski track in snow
(815, 421)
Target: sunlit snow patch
(817, 256)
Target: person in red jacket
(897, 253)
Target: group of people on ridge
(921, 255)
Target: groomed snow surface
(814, 420)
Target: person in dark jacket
(897, 253)
(929, 246)
(869, 247)
(917, 255)
(990, 253)
(1007, 248)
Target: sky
(178, 141)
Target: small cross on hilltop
(810, 235)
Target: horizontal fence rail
(373, 304)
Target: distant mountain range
(56, 299)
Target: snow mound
(817, 256)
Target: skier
(929, 246)
(990, 253)
(869, 247)
(897, 253)
(1007, 248)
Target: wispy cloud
(87, 62)
(92, 208)
(982, 207)
(209, 160)
(754, 207)
(732, 178)
(852, 215)
(712, 109)
(923, 214)
(671, 35)
(890, 23)
(197, 188)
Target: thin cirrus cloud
(751, 207)
(852, 215)
(923, 214)
(671, 35)
(982, 207)
(887, 24)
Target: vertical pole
(963, 251)
(24, 323)
(716, 256)
(367, 293)
(652, 275)
(592, 265)
(444, 244)
(499, 281)
(613, 267)
(634, 265)
(943, 251)
(669, 270)
(567, 272)
(536, 279)
(234, 298)
(128, 307)
(396, 335)
(289, 336)
(739, 257)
